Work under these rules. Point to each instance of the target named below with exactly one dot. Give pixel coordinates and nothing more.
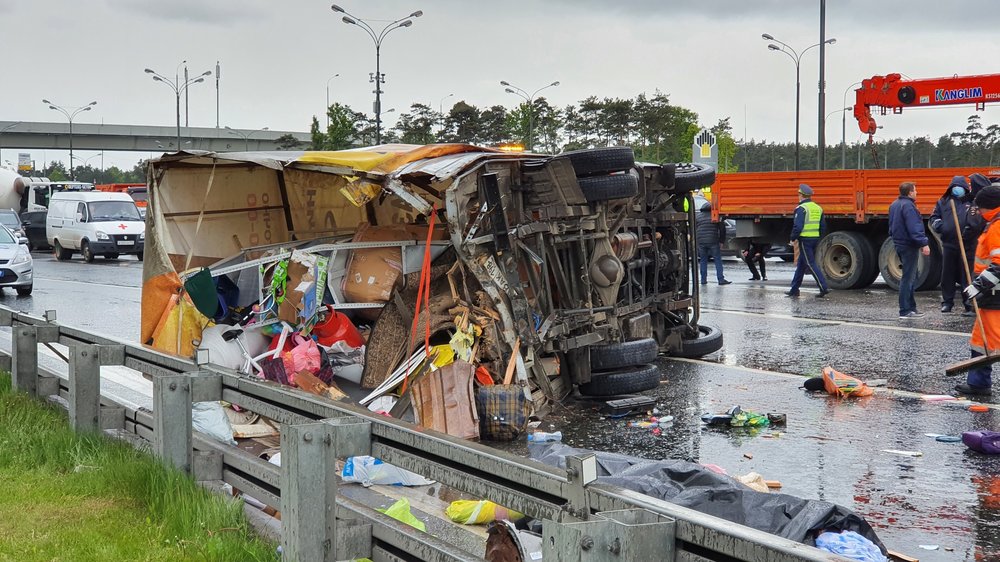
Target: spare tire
(709, 340)
(625, 354)
(691, 176)
(596, 161)
(607, 188)
(624, 381)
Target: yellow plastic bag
(445, 355)
(400, 511)
(473, 512)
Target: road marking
(836, 322)
(878, 389)
(89, 283)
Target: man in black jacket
(906, 227)
(710, 236)
(970, 225)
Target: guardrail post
(309, 455)
(24, 375)
(172, 420)
(611, 536)
(581, 470)
(85, 387)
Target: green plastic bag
(400, 511)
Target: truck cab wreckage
(570, 271)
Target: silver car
(15, 262)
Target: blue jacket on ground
(906, 226)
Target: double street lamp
(327, 110)
(378, 78)
(245, 137)
(530, 100)
(178, 87)
(70, 113)
(797, 59)
(843, 127)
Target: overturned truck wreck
(573, 271)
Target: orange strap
(423, 295)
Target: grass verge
(86, 497)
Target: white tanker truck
(32, 194)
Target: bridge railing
(582, 520)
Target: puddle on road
(830, 450)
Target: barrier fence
(582, 520)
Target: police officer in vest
(807, 228)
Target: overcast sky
(277, 57)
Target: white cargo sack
(208, 418)
(369, 470)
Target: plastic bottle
(543, 436)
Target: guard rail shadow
(582, 520)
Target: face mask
(958, 191)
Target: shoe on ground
(969, 313)
(823, 294)
(911, 314)
(754, 279)
(704, 282)
(945, 308)
(974, 390)
(792, 294)
(725, 282)
(763, 278)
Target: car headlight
(142, 236)
(21, 257)
(102, 235)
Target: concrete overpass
(138, 138)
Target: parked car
(33, 225)
(15, 262)
(10, 219)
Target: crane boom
(891, 91)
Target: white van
(94, 223)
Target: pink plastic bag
(303, 357)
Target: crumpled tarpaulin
(693, 486)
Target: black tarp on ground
(694, 486)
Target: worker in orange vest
(985, 288)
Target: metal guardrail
(603, 522)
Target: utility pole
(822, 85)
(218, 73)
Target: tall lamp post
(327, 111)
(530, 100)
(2, 131)
(843, 111)
(797, 59)
(245, 137)
(378, 78)
(843, 128)
(70, 113)
(178, 87)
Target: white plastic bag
(210, 419)
(369, 470)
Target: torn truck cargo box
(585, 258)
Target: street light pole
(327, 111)
(843, 128)
(377, 78)
(821, 142)
(530, 100)
(178, 88)
(218, 75)
(797, 60)
(245, 137)
(70, 115)
(843, 113)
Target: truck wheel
(709, 340)
(596, 161)
(691, 176)
(607, 188)
(61, 253)
(892, 268)
(88, 255)
(625, 381)
(25, 291)
(625, 354)
(846, 259)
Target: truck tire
(625, 354)
(691, 176)
(607, 188)
(709, 340)
(891, 267)
(624, 381)
(846, 259)
(598, 161)
(61, 253)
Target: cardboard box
(372, 273)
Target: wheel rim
(894, 266)
(86, 252)
(838, 261)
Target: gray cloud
(215, 12)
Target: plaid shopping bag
(503, 411)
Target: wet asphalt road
(830, 449)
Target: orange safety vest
(987, 253)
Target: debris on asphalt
(842, 385)
(904, 453)
(982, 441)
(544, 436)
(929, 546)
(937, 398)
(748, 456)
(626, 406)
(979, 408)
(948, 438)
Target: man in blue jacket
(807, 228)
(906, 227)
(970, 224)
